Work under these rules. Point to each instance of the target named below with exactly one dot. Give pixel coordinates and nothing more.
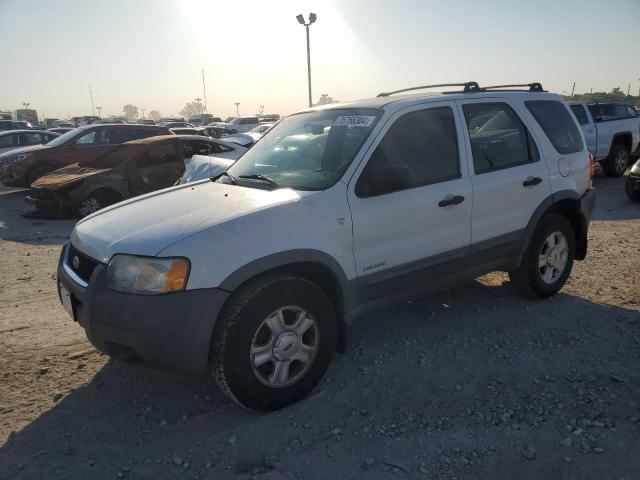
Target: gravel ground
(475, 382)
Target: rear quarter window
(557, 124)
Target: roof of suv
(406, 99)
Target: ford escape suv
(255, 274)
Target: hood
(148, 224)
(18, 151)
(66, 176)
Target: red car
(21, 167)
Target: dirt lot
(472, 383)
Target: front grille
(83, 266)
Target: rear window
(581, 115)
(557, 124)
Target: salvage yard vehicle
(240, 124)
(337, 210)
(23, 166)
(632, 186)
(131, 169)
(188, 131)
(247, 139)
(12, 139)
(217, 132)
(612, 132)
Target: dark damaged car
(133, 168)
(23, 166)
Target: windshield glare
(307, 151)
(62, 139)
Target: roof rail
(533, 87)
(468, 87)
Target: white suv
(339, 209)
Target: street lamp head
(312, 18)
(300, 19)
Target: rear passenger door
(411, 203)
(510, 179)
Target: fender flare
(544, 207)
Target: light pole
(312, 19)
(93, 112)
(261, 110)
(237, 104)
(99, 108)
(26, 105)
(143, 110)
(199, 106)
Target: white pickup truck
(611, 137)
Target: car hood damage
(66, 176)
(148, 224)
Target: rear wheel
(632, 188)
(97, 200)
(273, 341)
(616, 163)
(548, 260)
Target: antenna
(204, 91)
(93, 110)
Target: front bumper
(171, 331)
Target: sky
(150, 53)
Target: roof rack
(533, 87)
(468, 87)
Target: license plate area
(67, 301)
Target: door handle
(451, 200)
(531, 181)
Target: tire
(533, 280)
(38, 172)
(632, 193)
(97, 200)
(242, 330)
(616, 163)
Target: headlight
(150, 275)
(15, 159)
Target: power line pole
(93, 110)
(573, 88)
(628, 89)
(237, 104)
(204, 91)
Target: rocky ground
(475, 383)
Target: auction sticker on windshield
(350, 121)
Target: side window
(557, 124)
(420, 148)
(120, 135)
(498, 137)
(620, 111)
(190, 149)
(219, 148)
(30, 139)
(158, 167)
(581, 115)
(87, 140)
(9, 140)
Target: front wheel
(274, 341)
(616, 163)
(548, 260)
(632, 188)
(97, 200)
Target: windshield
(62, 139)
(307, 151)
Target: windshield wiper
(257, 176)
(234, 180)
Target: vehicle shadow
(479, 348)
(16, 228)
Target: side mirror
(386, 180)
(597, 119)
